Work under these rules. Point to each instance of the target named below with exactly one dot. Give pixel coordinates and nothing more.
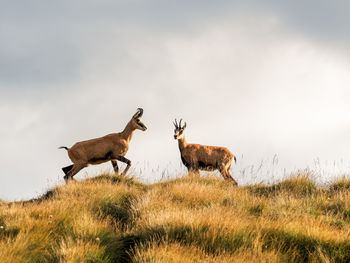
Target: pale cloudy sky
(259, 77)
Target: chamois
(200, 157)
(111, 147)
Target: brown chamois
(200, 157)
(111, 147)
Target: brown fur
(111, 147)
(201, 157)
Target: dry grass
(112, 219)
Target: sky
(267, 79)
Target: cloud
(326, 22)
(245, 76)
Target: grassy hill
(112, 219)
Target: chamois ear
(138, 114)
(184, 127)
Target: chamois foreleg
(115, 166)
(75, 169)
(192, 170)
(124, 160)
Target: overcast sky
(262, 78)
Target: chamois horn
(180, 124)
(138, 114)
(175, 124)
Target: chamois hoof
(68, 178)
(234, 183)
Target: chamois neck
(128, 131)
(182, 143)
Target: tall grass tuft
(298, 185)
(342, 184)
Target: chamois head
(136, 120)
(179, 131)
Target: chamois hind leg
(115, 166)
(76, 168)
(225, 172)
(67, 168)
(229, 177)
(228, 169)
(124, 160)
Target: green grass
(117, 219)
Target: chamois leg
(193, 171)
(115, 167)
(229, 177)
(124, 160)
(228, 169)
(67, 168)
(76, 168)
(221, 168)
(225, 172)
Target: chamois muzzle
(142, 126)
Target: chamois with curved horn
(111, 147)
(201, 157)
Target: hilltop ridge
(117, 219)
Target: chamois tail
(63, 147)
(234, 158)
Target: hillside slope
(112, 219)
